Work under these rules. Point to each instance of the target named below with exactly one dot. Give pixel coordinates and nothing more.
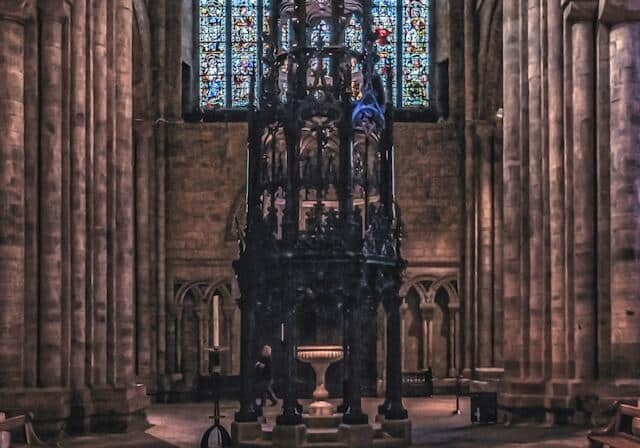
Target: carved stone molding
(580, 10)
(17, 10)
(619, 11)
(55, 9)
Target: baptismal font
(323, 229)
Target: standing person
(265, 378)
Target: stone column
(393, 409)
(498, 246)
(603, 167)
(513, 345)
(625, 191)
(454, 310)
(99, 200)
(51, 109)
(177, 310)
(535, 211)
(485, 298)
(78, 193)
(584, 188)
(404, 337)
(145, 268)
(12, 213)
(125, 231)
(426, 311)
(556, 191)
(31, 149)
(470, 339)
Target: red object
(382, 36)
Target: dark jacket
(263, 368)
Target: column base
(393, 411)
(400, 429)
(562, 401)
(81, 411)
(355, 418)
(119, 408)
(244, 432)
(51, 407)
(246, 415)
(55, 410)
(289, 436)
(289, 419)
(356, 436)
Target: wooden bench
(618, 434)
(24, 422)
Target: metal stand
(216, 435)
(457, 411)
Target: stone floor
(181, 425)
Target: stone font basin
(320, 357)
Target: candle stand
(216, 435)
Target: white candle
(216, 321)
(282, 332)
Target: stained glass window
(229, 46)
(415, 53)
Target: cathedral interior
(511, 173)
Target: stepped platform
(325, 432)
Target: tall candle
(216, 321)
(282, 332)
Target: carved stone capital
(17, 10)
(427, 310)
(56, 10)
(613, 12)
(580, 10)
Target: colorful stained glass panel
(384, 22)
(235, 49)
(353, 33)
(244, 45)
(415, 53)
(320, 35)
(212, 54)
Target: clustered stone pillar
(53, 226)
(571, 204)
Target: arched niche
(430, 325)
(204, 314)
